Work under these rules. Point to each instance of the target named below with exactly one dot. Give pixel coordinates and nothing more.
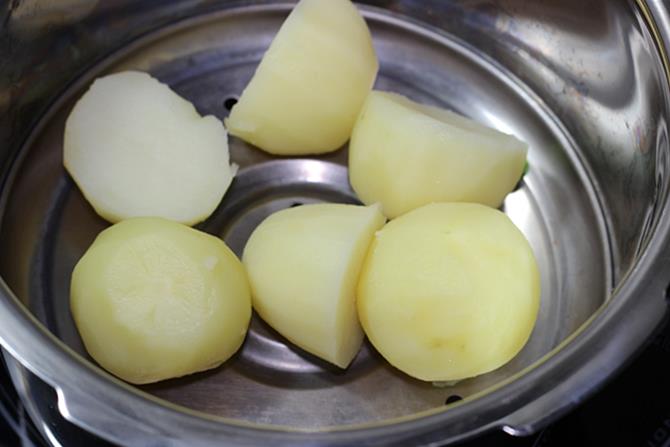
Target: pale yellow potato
(303, 265)
(311, 83)
(154, 299)
(404, 155)
(137, 149)
(449, 291)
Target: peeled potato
(154, 299)
(303, 265)
(449, 291)
(405, 155)
(311, 83)
(135, 148)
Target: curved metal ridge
(659, 41)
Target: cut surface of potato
(303, 265)
(137, 149)
(153, 299)
(311, 83)
(404, 155)
(449, 291)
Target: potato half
(311, 83)
(154, 299)
(404, 155)
(135, 148)
(303, 265)
(449, 291)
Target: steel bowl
(584, 83)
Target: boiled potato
(154, 299)
(135, 148)
(405, 155)
(303, 265)
(449, 291)
(311, 83)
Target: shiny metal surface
(583, 84)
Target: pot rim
(119, 412)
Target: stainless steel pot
(585, 83)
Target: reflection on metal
(659, 25)
(28, 17)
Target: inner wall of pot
(574, 205)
